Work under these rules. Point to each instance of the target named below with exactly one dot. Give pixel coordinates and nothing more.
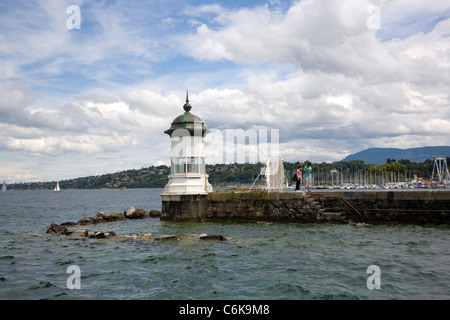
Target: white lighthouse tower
(188, 169)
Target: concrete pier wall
(183, 207)
(415, 207)
(260, 205)
(411, 206)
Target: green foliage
(389, 167)
(151, 177)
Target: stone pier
(184, 207)
(353, 206)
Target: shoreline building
(184, 195)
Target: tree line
(340, 172)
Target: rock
(102, 235)
(168, 238)
(69, 223)
(155, 213)
(78, 234)
(56, 228)
(101, 215)
(110, 234)
(141, 214)
(114, 216)
(145, 237)
(135, 213)
(97, 235)
(89, 220)
(213, 237)
(130, 213)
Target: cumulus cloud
(346, 82)
(314, 70)
(252, 35)
(86, 125)
(327, 36)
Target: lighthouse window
(179, 165)
(192, 165)
(202, 165)
(188, 165)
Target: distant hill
(380, 155)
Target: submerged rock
(142, 213)
(101, 215)
(113, 216)
(155, 213)
(110, 234)
(213, 237)
(69, 223)
(102, 235)
(89, 220)
(168, 238)
(56, 229)
(144, 237)
(77, 234)
(188, 238)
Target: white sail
(57, 189)
(4, 186)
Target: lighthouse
(184, 194)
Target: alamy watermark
(243, 146)
(74, 20)
(374, 20)
(74, 280)
(374, 281)
(227, 145)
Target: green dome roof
(187, 121)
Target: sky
(88, 87)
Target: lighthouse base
(187, 184)
(183, 207)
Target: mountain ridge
(378, 156)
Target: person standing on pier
(299, 178)
(308, 175)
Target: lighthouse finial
(187, 107)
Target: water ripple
(259, 261)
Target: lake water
(258, 261)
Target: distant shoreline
(354, 172)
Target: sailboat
(4, 186)
(57, 189)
